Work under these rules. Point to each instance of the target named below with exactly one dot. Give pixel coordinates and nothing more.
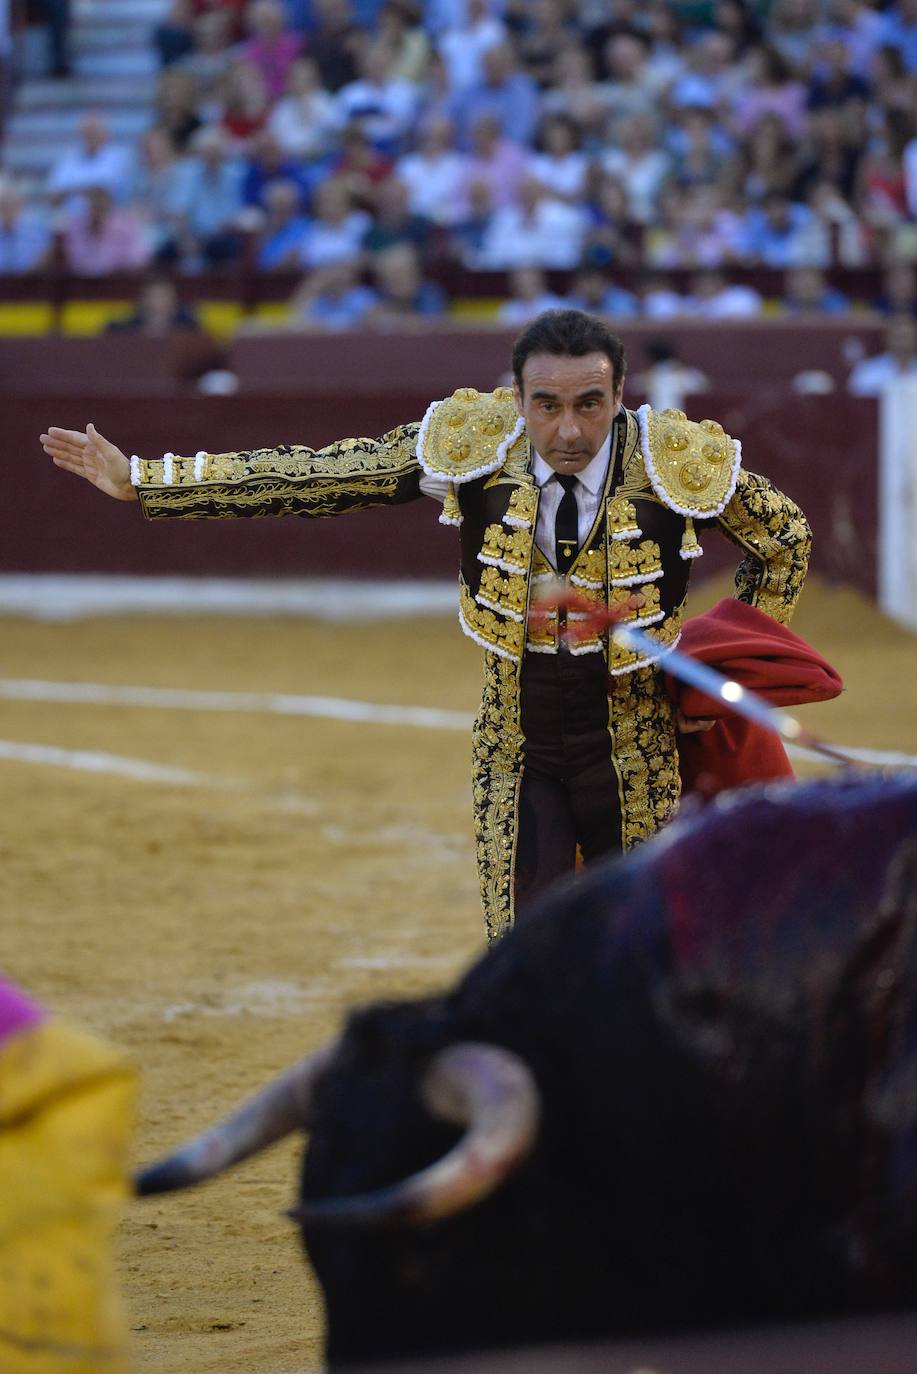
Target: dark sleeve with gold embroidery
(352, 474)
(776, 538)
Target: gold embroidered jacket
(666, 477)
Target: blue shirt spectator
(777, 233)
(333, 298)
(507, 95)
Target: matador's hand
(92, 456)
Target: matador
(575, 744)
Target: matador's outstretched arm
(349, 475)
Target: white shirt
(590, 484)
(588, 491)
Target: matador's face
(568, 405)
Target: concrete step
(92, 38)
(82, 94)
(120, 11)
(38, 126)
(102, 65)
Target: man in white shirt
(96, 162)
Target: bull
(681, 1093)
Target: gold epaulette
(469, 434)
(693, 467)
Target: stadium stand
(672, 138)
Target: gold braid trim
(644, 750)
(352, 474)
(496, 776)
(777, 540)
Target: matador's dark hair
(569, 334)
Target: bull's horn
(490, 1090)
(283, 1106)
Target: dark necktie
(566, 524)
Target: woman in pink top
(272, 48)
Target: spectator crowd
(370, 143)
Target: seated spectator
(335, 42)
(504, 94)
(699, 231)
(778, 233)
(209, 204)
(96, 162)
(399, 29)
(710, 77)
(547, 27)
(403, 294)
(575, 92)
(698, 150)
(235, 10)
(467, 237)
(462, 48)
(157, 188)
(836, 236)
(268, 163)
(833, 81)
(541, 231)
(806, 292)
(336, 230)
(394, 222)
(631, 86)
(210, 59)
(100, 237)
(661, 300)
(635, 158)
(898, 294)
(871, 376)
(712, 297)
(887, 76)
(25, 237)
(882, 195)
(793, 28)
(435, 175)
(380, 104)
(770, 89)
(244, 104)
(831, 152)
(285, 229)
(360, 166)
(899, 30)
(530, 297)
(272, 47)
(176, 112)
(770, 161)
(173, 36)
(594, 291)
(333, 297)
(559, 164)
(497, 161)
(738, 21)
(303, 122)
(612, 236)
(157, 313)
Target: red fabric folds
(743, 643)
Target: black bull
(723, 1033)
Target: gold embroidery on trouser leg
(645, 752)
(496, 774)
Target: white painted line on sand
(270, 703)
(93, 761)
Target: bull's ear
(283, 1106)
(483, 1087)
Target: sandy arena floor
(219, 927)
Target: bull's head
(483, 1088)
